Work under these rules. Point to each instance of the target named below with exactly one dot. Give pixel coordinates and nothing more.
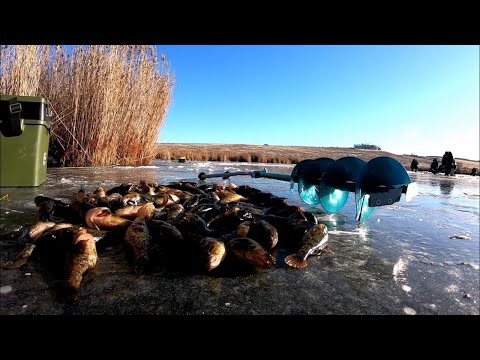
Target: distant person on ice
(414, 165)
(450, 165)
(444, 162)
(474, 172)
(434, 166)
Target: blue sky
(420, 100)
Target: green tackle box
(25, 133)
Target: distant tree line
(366, 146)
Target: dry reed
(108, 102)
(289, 154)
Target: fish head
(317, 234)
(243, 229)
(100, 192)
(251, 253)
(320, 230)
(81, 192)
(216, 252)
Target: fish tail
(9, 265)
(71, 293)
(295, 261)
(19, 260)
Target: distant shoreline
(290, 154)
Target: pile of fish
(182, 225)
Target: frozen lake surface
(420, 257)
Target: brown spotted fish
(260, 231)
(250, 253)
(145, 212)
(227, 196)
(132, 198)
(175, 211)
(81, 259)
(50, 209)
(128, 212)
(313, 242)
(100, 192)
(212, 252)
(137, 240)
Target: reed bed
(275, 154)
(108, 102)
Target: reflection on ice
(399, 270)
(409, 311)
(360, 232)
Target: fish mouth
(214, 262)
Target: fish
(260, 231)
(81, 194)
(175, 211)
(191, 202)
(185, 186)
(228, 196)
(206, 211)
(122, 189)
(50, 209)
(313, 242)
(97, 234)
(172, 199)
(100, 192)
(164, 239)
(145, 212)
(78, 208)
(226, 214)
(261, 198)
(137, 239)
(101, 218)
(20, 259)
(82, 258)
(161, 201)
(114, 197)
(60, 226)
(128, 212)
(132, 198)
(213, 197)
(62, 229)
(144, 188)
(212, 252)
(192, 226)
(38, 229)
(250, 253)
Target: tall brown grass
(241, 153)
(289, 154)
(108, 102)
